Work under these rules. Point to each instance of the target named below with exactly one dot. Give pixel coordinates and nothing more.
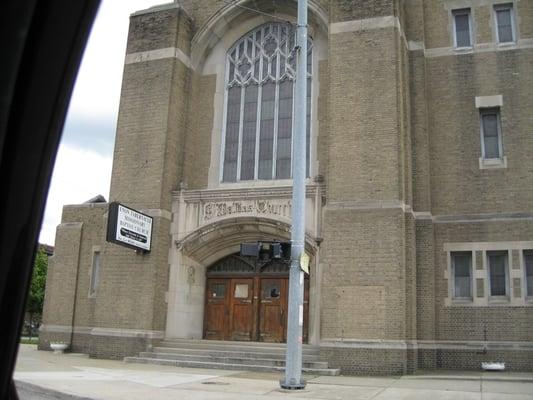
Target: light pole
(293, 360)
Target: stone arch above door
(212, 242)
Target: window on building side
(462, 274)
(95, 271)
(491, 133)
(528, 261)
(504, 23)
(497, 262)
(257, 139)
(462, 31)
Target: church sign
(128, 227)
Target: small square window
(498, 273)
(528, 261)
(491, 133)
(505, 25)
(218, 290)
(462, 28)
(241, 291)
(462, 274)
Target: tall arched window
(257, 138)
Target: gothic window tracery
(257, 138)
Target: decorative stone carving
(215, 210)
(222, 217)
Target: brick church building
(419, 211)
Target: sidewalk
(44, 375)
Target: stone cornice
(190, 196)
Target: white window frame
(94, 271)
(452, 280)
(511, 8)
(528, 296)
(507, 295)
(463, 11)
(491, 110)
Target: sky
(83, 164)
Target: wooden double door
(249, 308)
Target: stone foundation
(369, 361)
(515, 360)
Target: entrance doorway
(247, 300)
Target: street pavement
(44, 375)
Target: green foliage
(34, 305)
(29, 341)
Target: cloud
(97, 89)
(78, 176)
(96, 134)
(83, 164)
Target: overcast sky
(83, 164)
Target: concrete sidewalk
(44, 375)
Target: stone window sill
(462, 300)
(506, 45)
(492, 163)
(499, 300)
(463, 50)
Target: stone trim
(158, 213)
(426, 344)
(369, 205)
(489, 101)
(478, 48)
(65, 329)
(159, 54)
(366, 24)
(86, 205)
(87, 330)
(157, 8)
(240, 193)
(137, 333)
(487, 246)
(492, 163)
(489, 217)
(368, 344)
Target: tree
(34, 305)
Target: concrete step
(260, 347)
(230, 359)
(227, 366)
(243, 352)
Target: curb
(24, 389)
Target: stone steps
(227, 366)
(230, 358)
(244, 356)
(242, 353)
(233, 345)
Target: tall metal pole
(293, 361)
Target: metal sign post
(293, 361)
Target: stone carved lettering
(215, 210)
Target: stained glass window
(259, 105)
